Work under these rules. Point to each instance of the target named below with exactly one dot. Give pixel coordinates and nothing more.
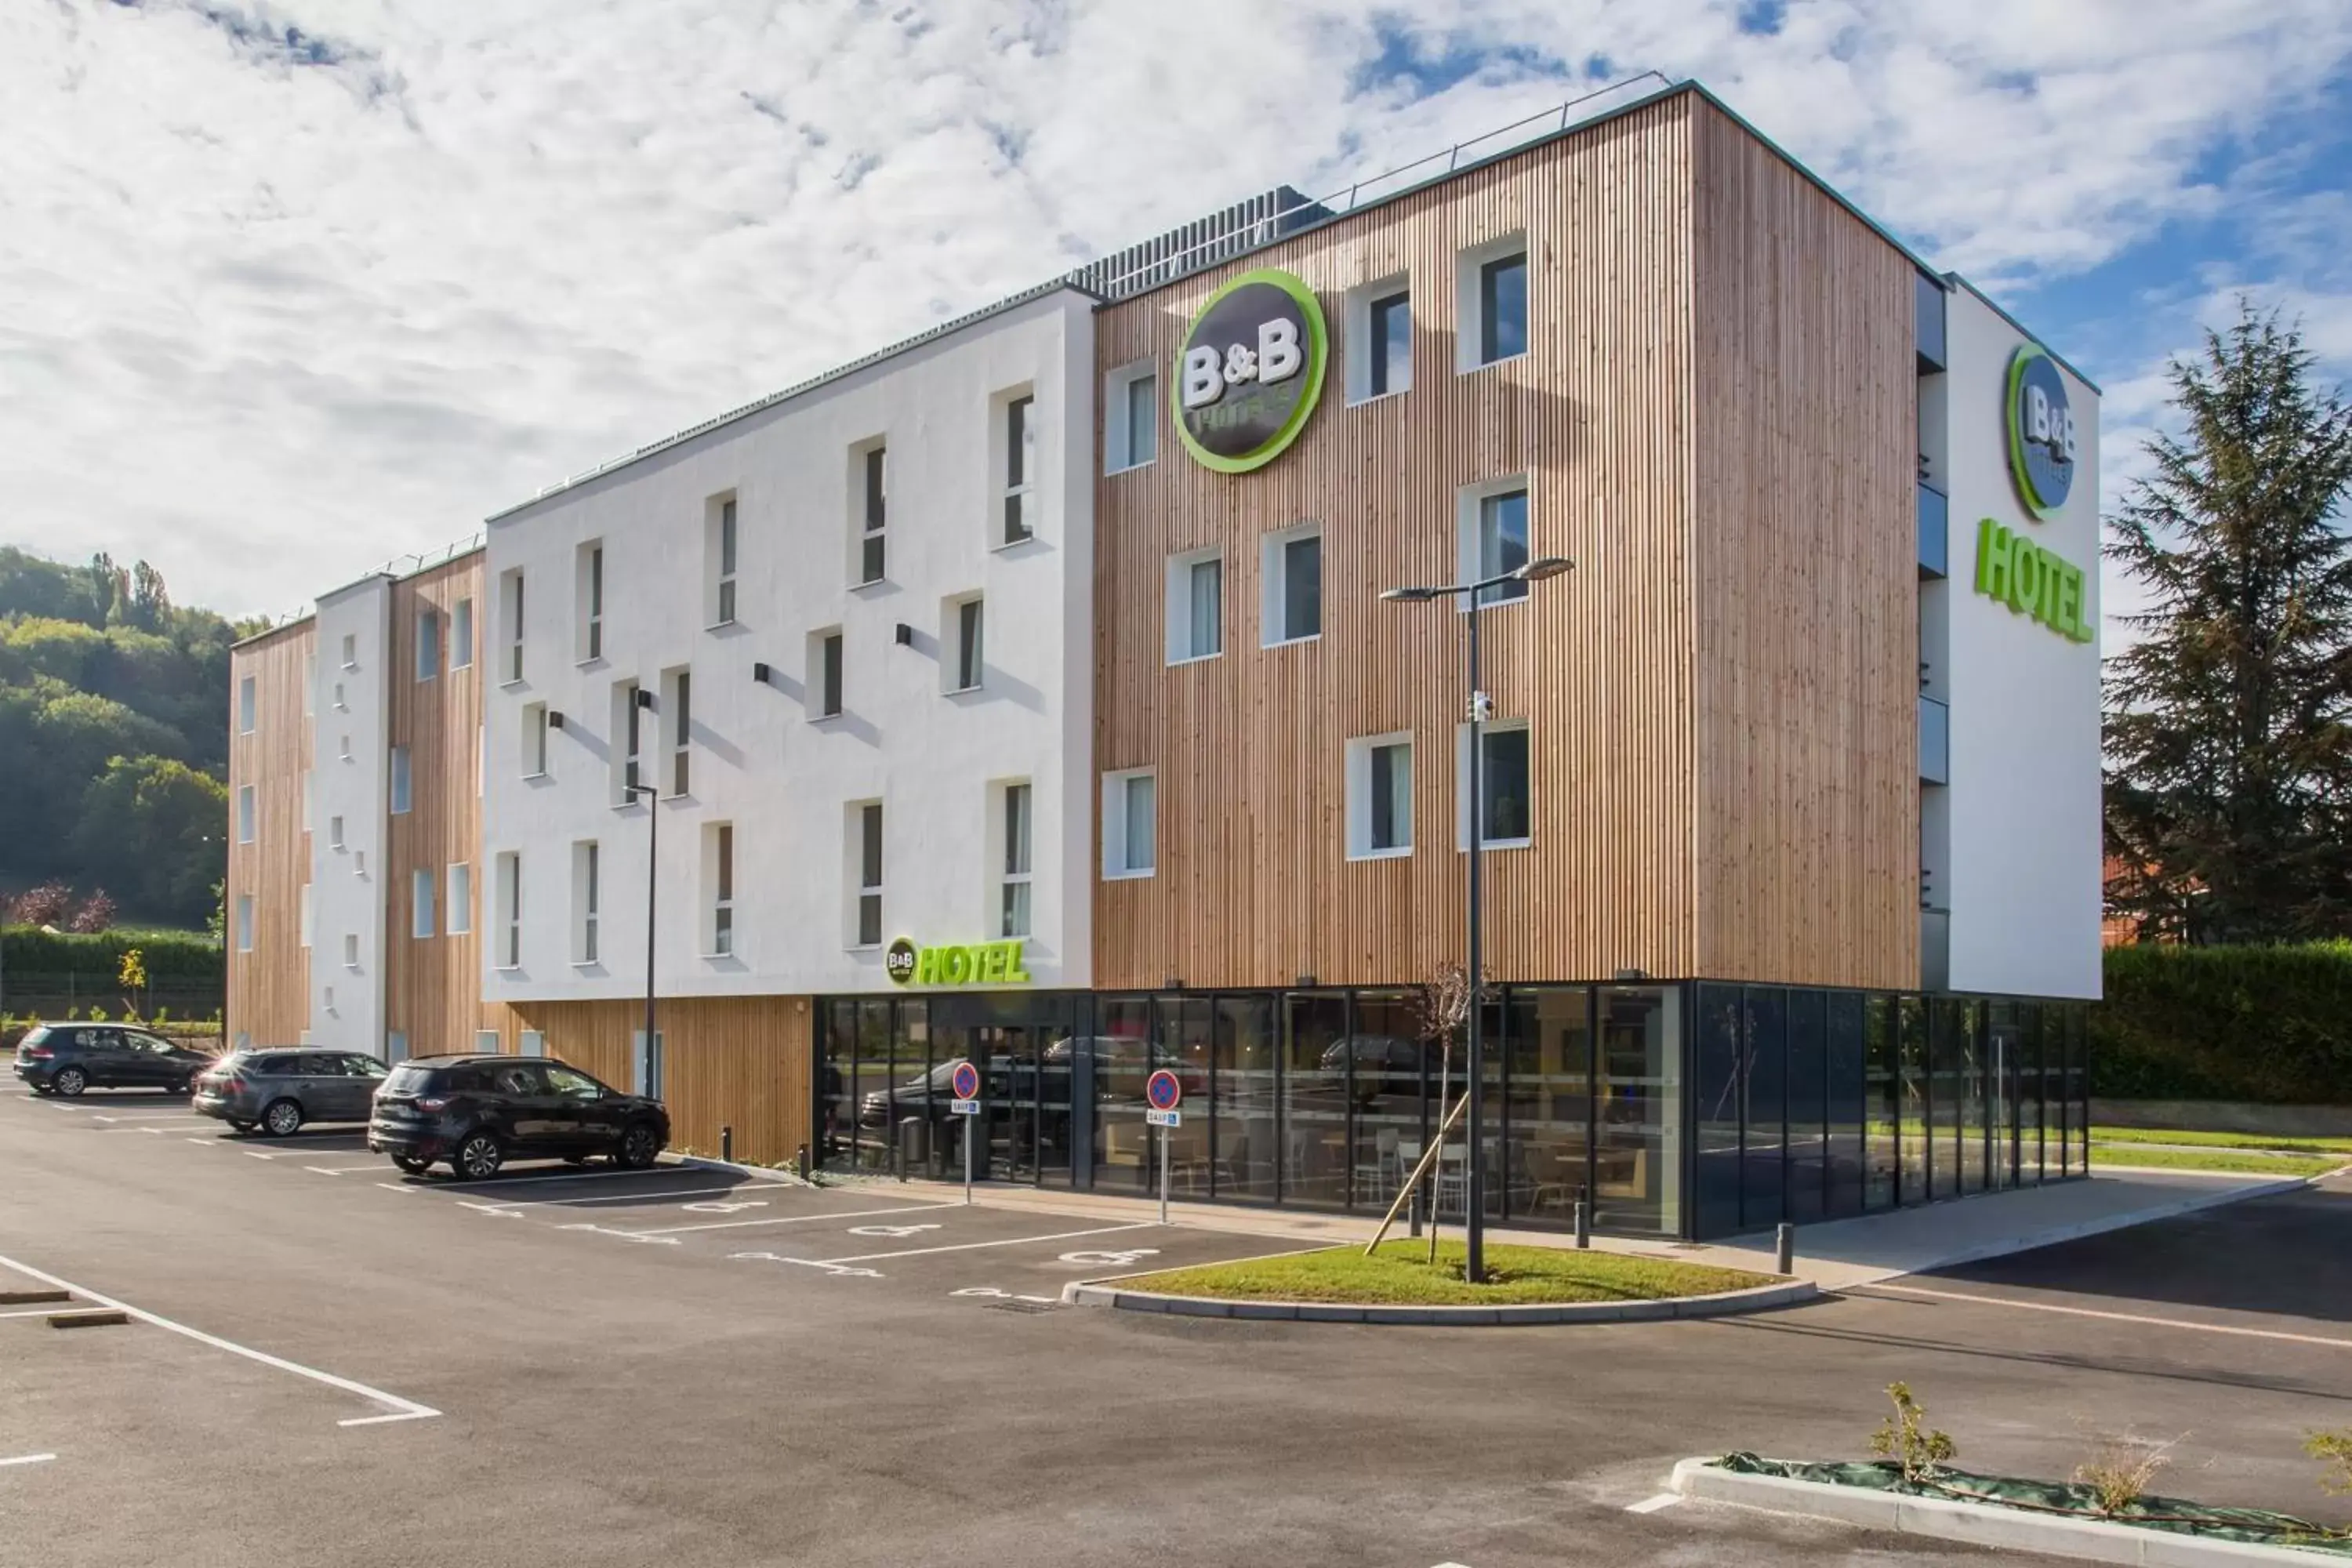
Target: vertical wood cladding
(269, 987)
(434, 984)
(1649, 851)
(738, 1061)
(1807, 579)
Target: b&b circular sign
(898, 961)
(2039, 426)
(1251, 371)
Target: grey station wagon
(279, 1091)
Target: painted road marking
(792, 1219)
(395, 1186)
(834, 1270)
(992, 1293)
(1653, 1504)
(571, 1176)
(340, 1170)
(256, 1155)
(208, 1142)
(1109, 1260)
(37, 1311)
(27, 1459)
(895, 1232)
(397, 1408)
(976, 1245)
(652, 1237)
(2110, 1317)
(497, 1209)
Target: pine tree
(2228, 724)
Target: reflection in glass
(1946, 1090)
(1722, 1086)
(1549, 1101)
(1247, 1145)
(1638, 1110)
(1882, 1103)
(1808, 1082)
(2001, 1059)
(1120, 1050)
(1913, 1112)
(2029, 1094)
(1181, 1044)
(1762, 1170)
(1386, 1057)
(1315, 1101)
(1842, 1148)
(1969, 1074)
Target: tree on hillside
(153, 830)
(2228, 724)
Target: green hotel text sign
(2038, 430)
(1251, 371)
(974, 964)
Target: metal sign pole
(967, 1157)
(1163, 1175)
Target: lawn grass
(2222, 1139)
(2243, 1160)
(1399, 1275)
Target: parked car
(279, 1091)
(66, 1059)
(478, 1111)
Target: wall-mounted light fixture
(906, 635)
(554, 719)
(760, 673)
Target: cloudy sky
(290, 288)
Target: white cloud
(275, 309)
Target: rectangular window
(340, 706)
(868, 816)
(967, 627)
(245, 922)
(428, 644)
(510, 910)
(1507, 809)
(723, 567)
(678, 729)
(1389, 345)
(534, 740)
(721, 838)
(350, 950)
(1013, 904)
(461, 635)
(400, 782)
(512, 590)
(628, 728)
(1130, 828)
(1379, 796)
(1494, 520)
(1196, 605)
(1291, 569)
(1130, 417)
(245, 814)
(351, 650)
(460, 898)
(420, 902)
(335, 832)
(1019, 460)
(587, 898)
(873, 516)
(591, 603)
(246, 705)
(828, 675)
(1502, 308)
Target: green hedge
(2271, 1025)
(96, 960)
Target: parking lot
(328, 1361)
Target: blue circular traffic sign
(1164, 1092)
(965, 1081)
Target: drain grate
(1024, 1306)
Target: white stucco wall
(759, 760)
(347, 884)
(2020, 870)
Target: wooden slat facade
(269, 986)
(1698, 769)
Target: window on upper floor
(334, 833)
(245, 922)
(590, 609)
(678, 729)
(399, 781)
(1017, 507)
(628, 739)
(1493, 522)
(721, 548)
(1018, 859)
(960, 623)
(351, 650)
(245, 814)
(1196, 605)
(461, 634)
(1291, 571)
(1492, 302)
(865, 873)
(510, 614)
(1379, 796)
(1506, 813)
(1379, 324)
(534, 740)
(428, 643)
(508, 891)
(1131, 416)
(719, 878)
(420, 903)
(869, 519)
(350, 950)
(1131, 824)
(587, 896)
(460, 898)
(248, 706)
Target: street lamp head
(1408, 596)
(1544, 566)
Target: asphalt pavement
(335, 1363)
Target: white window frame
(1181, 649)
(534, 741)
(1274, 585)
(587, 902)
(351, 650)
(869, 510)
(1012, 850)
(510, 616)
(1118, 436)
(588, 594)
(1360, 796)
(458, 898)
(247, 813)
(1116, 838)
(855, 875)
(1014, 522)
(1469, 530)
(248, 705)
(507, 889)
(402, 791)
(1469, 311)
(725, 544)
(677, 728)
(421, 914)
(628, 746)
(1356, 310)
(245, 922)
(428, 644)
(351, 951)
(340, 705)
(530, 1042)
(461, 634)
(718, 870)
(955, 678)
(334, 833)
(1464, 807)
(812, 687)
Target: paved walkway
(1833, 1255)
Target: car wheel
(640, 1147)
(413, 1165)
(281, 1118)
(479, 1156)
(237, 1123)
(70, 1082)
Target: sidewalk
(1833, 1255)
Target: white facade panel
(762, 758)
(2019, 869)
(349, 771)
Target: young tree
(2228, 724)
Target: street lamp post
(653, 848)
(1474, 1224)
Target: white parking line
(976, 1245)
(572, 1176)
(397, 1408)
(665, 1192)
(27, 1459)
(1653, 1504)
(48, 1310)
(343, 1170)
(2111, 1317)
(793, 1219)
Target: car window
(517, 1077)
(365, 1067)
(574, 1084)
(139, 1042)
(320, 1065)
(39, 1034)
(413, 1077)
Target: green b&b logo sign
(1250, 371)
(2039, 426)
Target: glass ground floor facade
(1692, 1110)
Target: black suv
(475, 1111)
(66, 1059)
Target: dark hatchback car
(279, 1091)
(66, 1059)
(478, 1111)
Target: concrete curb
(758, 1173)
(1975, 1523)
(1080, 1293)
